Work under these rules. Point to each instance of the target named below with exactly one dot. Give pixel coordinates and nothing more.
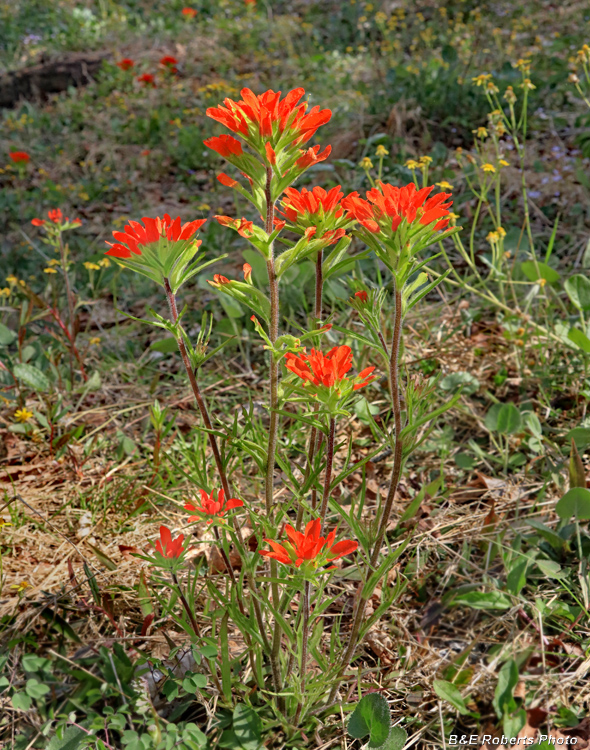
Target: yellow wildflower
(381, 151)
(4, 523)
(23, 415)
(493, 237)
(95, 341)
(49, 269)
(501, 231)
(5, 292)
(481, 132)
(91, 266)
(507, 254)
(491, 88)
(527, 84)
(488, 167)
(104, 263)
(444, 185)
(504, 163)
(425, 161)
(12, 280)
(366, 163)
(541, 282)
(412, 164)
(523, 65)
(20, 587)
(481, 79)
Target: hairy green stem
(328, 473)
(304, 628)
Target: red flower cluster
(308, 547)
(211, 507)
(327, 369)
(189, 12)
(135, 235)
(268, 115)
(242, 226)
(56, 216)
(362, 295)
(170, 63)
(304, 205)
(20, 157)
(167, 546)
(126, 63)
(147, 79)
(387, 206)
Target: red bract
(170, 63)
(226, 180)
(167, 546)
(308, 547)
(126, 63)
(327, 369)
(189, 12)
(387, 206)
(225, 145)
(303, 205)
(363, 296)
(242, 226)
(147, 79)
(211, 507)
(134, 236)
(56, 216)
(270, 117)
(312, 156)
(20, 157)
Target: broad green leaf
(580, 436)
(165, 346)
(36, 689)
(396, 740)
(575, 502)
(21, 701)
(31, 376)
(247, 726)
(550, 568)
(535, 271)
(450, 693)
(580, 339)
(371, 717)
(484, 600)
(71, 740)
(509, 419)
(516, 578)
(7, 336)
(456, 380)
(578, 290)
(507, 681)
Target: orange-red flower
(226, 180)
(302, 205)
(167, 546)
(56, 216)
(189, 12)
(247, 269)
(225, 145)
(136, 235)
(20, 157)
(170, 63)
(387, 206)
(147, 79)
(211, 507)
(329, 369)
(313, 156)
(126, 63)
(242, 226)
(308, 549)
(362, 295)
(269, 117)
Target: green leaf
(31, 376)
(36, 689)
(557, 542)
(371, 717)
(509, 419)
(396, 740)
(21, 701)
(7, 336)
(578, 290)
(507, 681)
(550, 568)
(103, 557)
(484, 600)
(143, 594)
(535, 271)
(450, 693)
(575, 502)
(516, 578)
(580, 339)
(194, 682)
(247, 726)
(580, 436)
(71, 740)
(165, 346)
(456, 380)
(576, 468)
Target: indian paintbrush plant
(279, 593)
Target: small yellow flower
(523, 65)
(488, 167)
(425, 161)
(366, 163)
(12, 280)
(412, 164)
(501, 231)
(481, 79)
(519, 342)
(84, 196)
(20, 587)
(541, 282)
(91, 266)
(527, 84)
(203, 207)
(444, 185)
(49, 270)
(4, 523)
(104, 263)
(5, 292)
(507, 254)
(53, 262)
(493, 237)
(520, 332)
(23, 415)
(381, 151)
(95, 341)
(491, 88)
(481, 132)
(504, 163)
